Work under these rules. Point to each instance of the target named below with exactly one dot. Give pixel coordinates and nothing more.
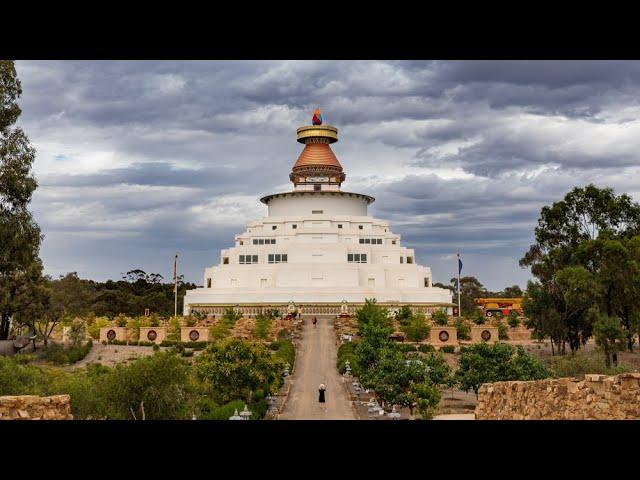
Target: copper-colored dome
(317, 154)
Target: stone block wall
(443, 336)
(519, 334)
(484, 333)
(597, 397)
(31, 407)
(153, 334)
(194, 334)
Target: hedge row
(347, 351)
(285, 350)
(164, 343)
(59, 355)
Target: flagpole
(175, 286)
(459, 311)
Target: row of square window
(294, 226)
(272, 241)
(357, 257)
(373, 241)
(277, 258)
(264, 241)
(283, 258)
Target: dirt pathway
(316, 364)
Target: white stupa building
(317, 248)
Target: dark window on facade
(225, 260)
(339, 225)
(360, 227)
(401, 259)
(247, 259)
(294, 226)
(208, 283)
(317, 211)
(316, 188)
(393, 242)
(426, 281)
(273, 227)
(409, 259)
(277, 258)
(357, 257)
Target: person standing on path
(321, 390)
(315, 320)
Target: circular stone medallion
(194, 335)
(152, 335)
(443, 336)
(111, 335)
(486, 335)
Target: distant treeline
(131, 295)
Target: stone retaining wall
(31, 407)
(597, 397)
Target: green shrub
(404, 315)
(77, 332)
(513, 319)
(372, 313)
(187, 353)
(407, 347)
(156, 347)
(223, 328)
(284, 334)
(439, 318)
(347, 348)
(580, 363)
(478, 317)
(484, 363)
(285, 351)
(342, 364)
(448, 348)
(59, 355)
(258, 409)
(223, 412)
(174, 330)
(463, 329)
(503, 331)
(94, 328)
(121, 321)
(17, 378)
(426, 348)
(263, 326)
(417, 328)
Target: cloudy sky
(139, 160)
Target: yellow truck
(491, 306)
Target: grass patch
(580, 363)
(263, 327)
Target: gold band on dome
(324, 131)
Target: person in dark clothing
(321, 390)
(315, 320)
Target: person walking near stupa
(321, 390)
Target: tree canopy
(21, 284)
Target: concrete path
(455, 416)
(315, 364)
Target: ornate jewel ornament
(317, 118)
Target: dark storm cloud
(139, 159)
